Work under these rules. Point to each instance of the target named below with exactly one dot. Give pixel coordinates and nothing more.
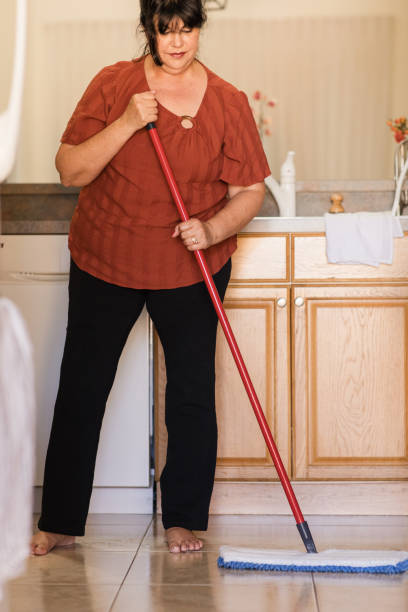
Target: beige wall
(342, 132)
(260, 9)
(69, 42)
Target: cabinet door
(259, 317)
(350, 382)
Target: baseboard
(113, 500)
(329, 498)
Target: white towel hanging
(365, 237)
(361, 238)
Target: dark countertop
(47, 208)
(36, 208)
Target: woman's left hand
(195, 234)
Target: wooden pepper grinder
(336, 206)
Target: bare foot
(182, 540)
(44, 541)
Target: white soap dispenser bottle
(288, 184)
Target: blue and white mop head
(347, 561)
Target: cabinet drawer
(261, 257)
(309, 262)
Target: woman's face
(178, 46)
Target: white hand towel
(361, 238)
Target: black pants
(100, 317)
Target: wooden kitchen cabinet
(325, 346)
(259, 316)
(350, 382)
(260, 321)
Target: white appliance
(10, 118)
(34, 275)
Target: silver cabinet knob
(299, 301)
(281, 302)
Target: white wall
(68, 43)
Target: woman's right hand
(78, 165)
(141, 110)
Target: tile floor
(122, 565)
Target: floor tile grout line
(16, 583)
(130, 566)
(315, 592)
(187, 585)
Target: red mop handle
(228, 332)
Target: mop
(356, 561)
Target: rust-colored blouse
(122, 226)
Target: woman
(129, 249)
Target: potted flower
(259, 106)
(399, 127)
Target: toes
(39, 549)
(191, 545)
(174, 548)
(182, 541)
(185, 546)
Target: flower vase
(401, 157)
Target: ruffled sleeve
(91, 112)
(244, 161)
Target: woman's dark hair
(160, 13)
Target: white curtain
(17, 426)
